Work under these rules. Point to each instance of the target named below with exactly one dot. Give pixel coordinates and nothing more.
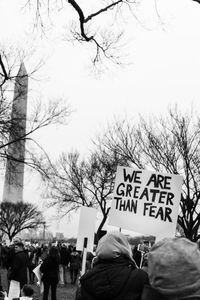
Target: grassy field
(63, 293)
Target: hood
(174, 267)
(113, 245)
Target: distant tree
(72, 182)
(168, 145)
(16, 217)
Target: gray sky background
(162, 68)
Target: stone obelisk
(14, 175)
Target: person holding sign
(174, 270)
(114, 274)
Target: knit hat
(112, 245)
(174, 267)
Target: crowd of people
(169, 270)
(54, 262)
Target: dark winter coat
(9, 257)
(75, 261)
(115, 279)
(64, 256)
(50, 269)
(19, 267)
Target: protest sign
(38, 275)
(86, 228)
(14, 289)
(146, 202)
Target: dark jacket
(116, 279)
(19, 267)
(64, 256)
(10, 257)
(75, 261)
(50, 269)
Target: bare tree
(106, 42)
(72, 182)
(89, 26)
(169, 145)
(16, 217)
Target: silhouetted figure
(64, 262)
(20, 263)
(50, 270)
(74, 265)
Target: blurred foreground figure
(27, 293)
(174, 271)
(114, 274)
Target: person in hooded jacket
(174, 270)
(114, 274)
(50, 272)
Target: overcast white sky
(163, 69)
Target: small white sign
(86, 228)
(146, 202)
(38, 275)
(14, 289)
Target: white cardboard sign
(38, 275)
(146, 202)
(86, 228)
(14, 289)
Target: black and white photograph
(99, 149)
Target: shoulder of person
(151, 294)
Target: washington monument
(14, 175)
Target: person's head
(70, 247)
(112, 245)
(19, 246)
(53, 251)
(174, 268)
(17, 240)
(27, 291)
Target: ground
(63, 293)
